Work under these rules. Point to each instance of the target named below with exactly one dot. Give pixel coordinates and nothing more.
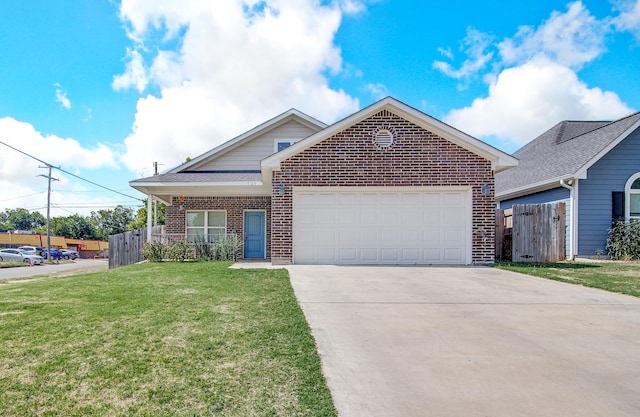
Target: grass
(12, 264)
(159, 339)
(620, 277)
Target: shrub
(153, 251)
(224, 248)
(227, 248)
(179, 251)
(623, 242)
(202, 248)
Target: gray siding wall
(609, 174)
(249, 155)
(548, 196)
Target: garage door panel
(454, 215)
(382, 226)
(369, 199)
(454, 254)
(389, 255)
(432, 199)
(347, 199)
(348, 217)
(411, 255)
(367, 236)
(411, 236)
(326, 217)
(432, 255)
(326, 199)
(390, 235)
(348, 255)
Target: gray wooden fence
(126, 248)
(536, 233)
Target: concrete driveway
(427, 341)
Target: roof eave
(164, 191)
(533, 188)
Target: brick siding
(234, 206)
(352, 158)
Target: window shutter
(617, 206)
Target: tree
(111, 222)
(140, 221)
(74, 227)
(21, 219)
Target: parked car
(55, 254)
(33, 250)
(18, 255)
(68, 254)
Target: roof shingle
(561, 152)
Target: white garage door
(340, 225)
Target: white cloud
(378, 91)
(61, 97)
(525, 101)
(571, 39)
(475, 46)
(533, 82)
(135, 74)
(237, 64)
(629, 17)
(20, 182)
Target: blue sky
(105, 88)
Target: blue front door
(254, 234)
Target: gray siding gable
(249, 154)
(548, 196)
(610, 173)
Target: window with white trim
(632, 197)
(207, 226)
(280, 144)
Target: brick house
(386, 185)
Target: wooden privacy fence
(125, 248)
(531, 233)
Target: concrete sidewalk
(426, 341)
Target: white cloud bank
(534, 81)
(20, 182)
(219, 68)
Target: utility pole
(50, 178)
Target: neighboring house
(593, 166)
(386, 185)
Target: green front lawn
(159, 339)
(621, 277)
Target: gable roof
(499, 160)
(565, 151)
(289, 115)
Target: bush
(623, 242)
(153, 251)
(225, 248)
(179, 251)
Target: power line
(69, 173)
(17, 198)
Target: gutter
(572, 186)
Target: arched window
(632, 198)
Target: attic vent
(384, 138)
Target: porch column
(149, 217)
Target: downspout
(149, 210)
(572, 186)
